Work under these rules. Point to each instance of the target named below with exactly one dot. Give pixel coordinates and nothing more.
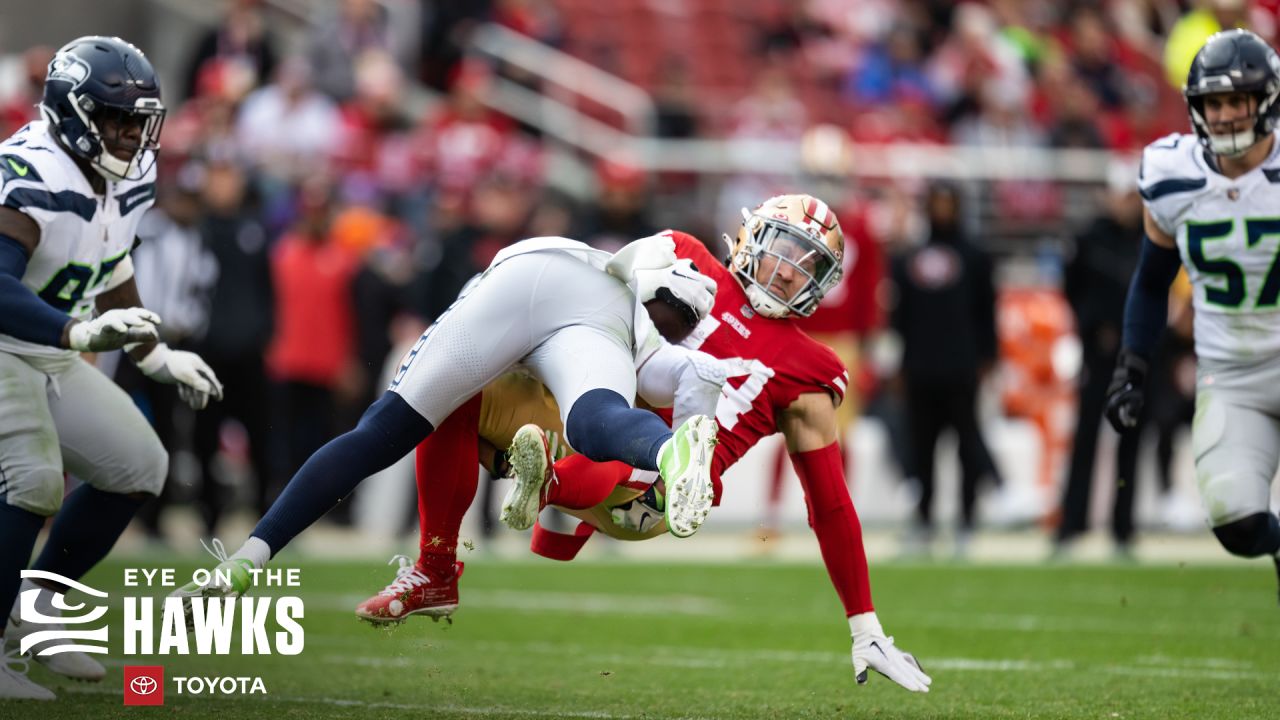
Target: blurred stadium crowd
(322, 198)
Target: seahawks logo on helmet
(69, 68)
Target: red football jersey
(776, 361)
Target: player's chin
(671, 323)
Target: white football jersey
(83, 236)
(1228, 234)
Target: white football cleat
(14, 683)
(530, 458)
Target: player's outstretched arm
(196, 381)
(809, 426)
(1146, 310)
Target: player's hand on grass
(193, 376)
(873, 650)
(113, 330)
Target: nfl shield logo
(1233, 194)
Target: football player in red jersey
(787, 254)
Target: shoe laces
(408, 577)
(14, 661)
(216, 549)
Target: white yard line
(1147, 666)
(572, 602)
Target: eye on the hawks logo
(80, 639)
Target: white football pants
(569, 323)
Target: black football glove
(1125, 395)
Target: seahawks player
(74, 186)
(1211, 204)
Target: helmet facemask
(784, 269)
(1238, 142)
(114, 127)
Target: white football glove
(113, 330)
(873, 650)
(194, 378)
(679, 284)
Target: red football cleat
(414, 592)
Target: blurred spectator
(19, 108)
(240, 326)
(357, 26)
(499, 210)
(446, 25)
(945, 314)
(241, 39)
(621, 212)
(465, 140)
(1096, 284)
(554, 215)
(1095, 56)
(1189, 33)
(674, 100)
(772, 111)
(310, 358)
(539, 19)
(891, 71)
(376, 153)
(175, 276)
(1073, 108)
(287, 129)
(975, 61)
(1144, 24)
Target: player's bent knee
(36, 490)
(1232, 494)
(147, 475)
(1257, 534)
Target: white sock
(255, 551)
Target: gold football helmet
(789, 253)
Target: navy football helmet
(102, 101)
(1234, 61)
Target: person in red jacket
(787, 254)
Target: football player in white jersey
(574, 316)
(73, 187)
(1211, 205)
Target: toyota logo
(143, 685)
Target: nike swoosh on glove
(679, 284)
(877, 652)
(113, 330)
(193, 376)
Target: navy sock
(387, 431)
(603, 427)
(18, 531)
(85, 530)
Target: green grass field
(614, 641)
